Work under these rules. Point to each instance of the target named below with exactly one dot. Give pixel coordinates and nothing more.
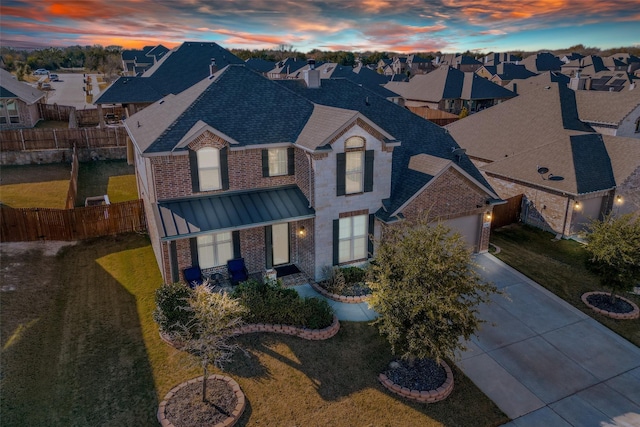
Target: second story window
(278, 161)
(354, 168)
(209, 169)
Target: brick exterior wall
(450, 196)
(28, 115)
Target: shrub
(334, 281)
(171, 310)
(272, 303)
(353, 274)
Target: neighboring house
(399, 65)
(451, 90)
(605, 81)
(284, 68)
(588, 65)
(535, 146)
(503, 73)
(261, 66)
(611, 112)
(541, 62)
(464, 63)
(494, 59)
(18, 103)
(419, 65)
(570, 57)
(137, 61)
(178, 70)
(630, 63)
(299, 172)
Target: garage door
(469, 227)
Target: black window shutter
(265, 163)
(173, 261)
(336, 241)
(368, 171)
(268, 250)
(235, 236)
(224, 168)
(193, 164)
(341, 169)
(371, 229)
(193, 242)
(291, 161)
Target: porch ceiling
(189, 217)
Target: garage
(469, 227)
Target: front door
(280, 243)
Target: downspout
(566, 214)
(311, 192)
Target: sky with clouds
(356, 25)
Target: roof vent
(212, 67)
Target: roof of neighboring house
(592, 63)
(10, 87)
(260, 65)
(158, 51)
(359, 75)
(607, 107)
(540, 128)
(176, 71)
(180, 218)
(510, 71)
(498, 58)
(448, 83)
(543, 61)
(288, 66)
(627, 58)
(417, 135)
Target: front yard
(79, 347)
(559, 266)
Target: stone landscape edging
(340, 298)
(230, 421)
(633, 314)
(305, 333)
(423, 396)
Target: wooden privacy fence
(72, 192)
(55, 139)
(31, 224)
(508, 213)
(56, 112)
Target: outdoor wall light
(302, 231)
(619, 199)
(577, 205)
(487, 216)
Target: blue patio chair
(237, 271)
(193, 276)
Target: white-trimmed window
(354, 169)
(352, 236)
(209, 169)
(3, 115)
(12, 111)
(278, 161)
(214, 249)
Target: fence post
(86, 137)
(22, 138)
(116, 131)
(55, 138)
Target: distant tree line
(106, 60)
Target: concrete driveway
(545, 363)
(69, 91)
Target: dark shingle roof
(178, 70)
(569, 110)
(365, 77)
(6, 93)
(592, 163)
(129, 90)
(260, 65)
(509, 71)
(417, 135)
(242, 104)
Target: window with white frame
(12, 111)
(209, 169)
(214, 249)
(3, 115)
(354, 170)
(352, 238)
(278, 161)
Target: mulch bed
(186, 408)
(425, 374)
(603, 302)
(350, 290)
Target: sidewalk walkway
(350, 312)
(545, 363)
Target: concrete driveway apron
(545, 363)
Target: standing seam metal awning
(184, 218)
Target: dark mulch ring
(603, 302)
(425, 374)
(350, 290)
(186, 408)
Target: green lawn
(112, 177)
(559, 266)
(80, 348)
(35, 186)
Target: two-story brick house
(292, 172)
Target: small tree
(425, 290)
(216, 316)
(613, 245)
